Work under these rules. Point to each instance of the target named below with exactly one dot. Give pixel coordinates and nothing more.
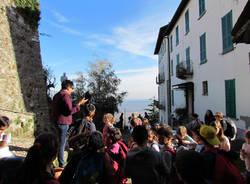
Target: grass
(56, 163)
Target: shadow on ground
(17, 148)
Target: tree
(103, 85)
(80, 87)
(153, 112)
(50, 79)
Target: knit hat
(209, 134)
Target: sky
(121, 31)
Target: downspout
(169, 85)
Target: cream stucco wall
(219, 67)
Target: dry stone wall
(22, 83)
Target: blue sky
(123, 31)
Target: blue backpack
(90, 169)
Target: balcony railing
(162, 107)
(159, 105)
(184, 70)
(160, 79)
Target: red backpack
(225, 171)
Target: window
(202, 8)
(171, 68)
(172, 97)
(188, 59)
(227, 25)
(178, 59)
(249, 58)
(171, 43)
(187, 21)
(177, 35)
(204, 88)
(203, 54)
(230, 98)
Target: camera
(88, 96)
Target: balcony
(161, 107)
(160, 79)
(158, 105)
(184, 70)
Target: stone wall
(22, 83)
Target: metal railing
(184, 69)
(160, 79)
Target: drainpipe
(169, 85)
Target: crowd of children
(155, 154)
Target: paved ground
(20, 145)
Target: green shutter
(171, 43)
(201, 7)
(171, 68)
(230, 98)
(187, 21)
(178, 59)
(177, 35)
(203, 55)
(188, 58)
(227, 26)
(172, 97)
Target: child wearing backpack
(109, 121)
(224, 141)
(4, 138)
(168, 151)
(245, 154)
(142, 164)
(221, 168)
(184, 141)
(117, 150)
(91, 165)
(153, 140)
(37, 166)
(196, 175)
(77, 139)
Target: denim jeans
(62, 133)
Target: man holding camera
(61, 114)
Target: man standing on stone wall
(61, 114)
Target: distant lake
(130, 106)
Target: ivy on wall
(30, 10)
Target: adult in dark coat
(209, 117)
(61, 114)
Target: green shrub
(30, 10)
(18, 121)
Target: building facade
(203, 69)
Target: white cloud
(141, 85)
(59, 17)
(138, 38)
(137, 70)
(66, 29)
(89, 44)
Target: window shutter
(177, 35)
(187, 21)
(188, 58)
(171, 68)
(230, 98)
(203, 56)
(200, 11)
(227, 26)
(224, 33)
(171, 43)
(229, 29)
(178, 59)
